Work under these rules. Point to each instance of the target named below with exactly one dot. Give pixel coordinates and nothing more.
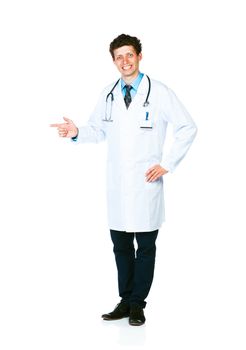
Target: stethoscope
(111, 95)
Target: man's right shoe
(121, 310)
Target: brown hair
(123, 40)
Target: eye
(130, 55)
(118, 58)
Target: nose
(125, 61)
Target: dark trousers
(135, 268)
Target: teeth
(127, 67)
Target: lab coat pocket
(145, 121)
(146, 131)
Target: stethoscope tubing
(146, 102)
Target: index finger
(55, 125)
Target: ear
(140, 56)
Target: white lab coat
(135, 205)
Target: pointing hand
(67, 129)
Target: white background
(57, 270)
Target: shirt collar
(135, 82)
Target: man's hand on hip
(155, 172)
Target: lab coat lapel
(118, 97)
(140, 96)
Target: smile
(127, 67)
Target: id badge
(147, 123)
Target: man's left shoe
(136, 317)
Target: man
(133, 114)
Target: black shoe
(121, 310)
(136, 316)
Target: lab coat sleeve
(94, 130)
(184, 130)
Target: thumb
(67, 120)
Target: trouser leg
(125, 261)
(144, 266)
(135, 273)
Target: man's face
(127, 61)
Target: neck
(129, 80)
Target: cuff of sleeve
(75, 138)
(167, 167)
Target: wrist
(74, 138)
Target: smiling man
(132, 114)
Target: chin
(127, 74)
